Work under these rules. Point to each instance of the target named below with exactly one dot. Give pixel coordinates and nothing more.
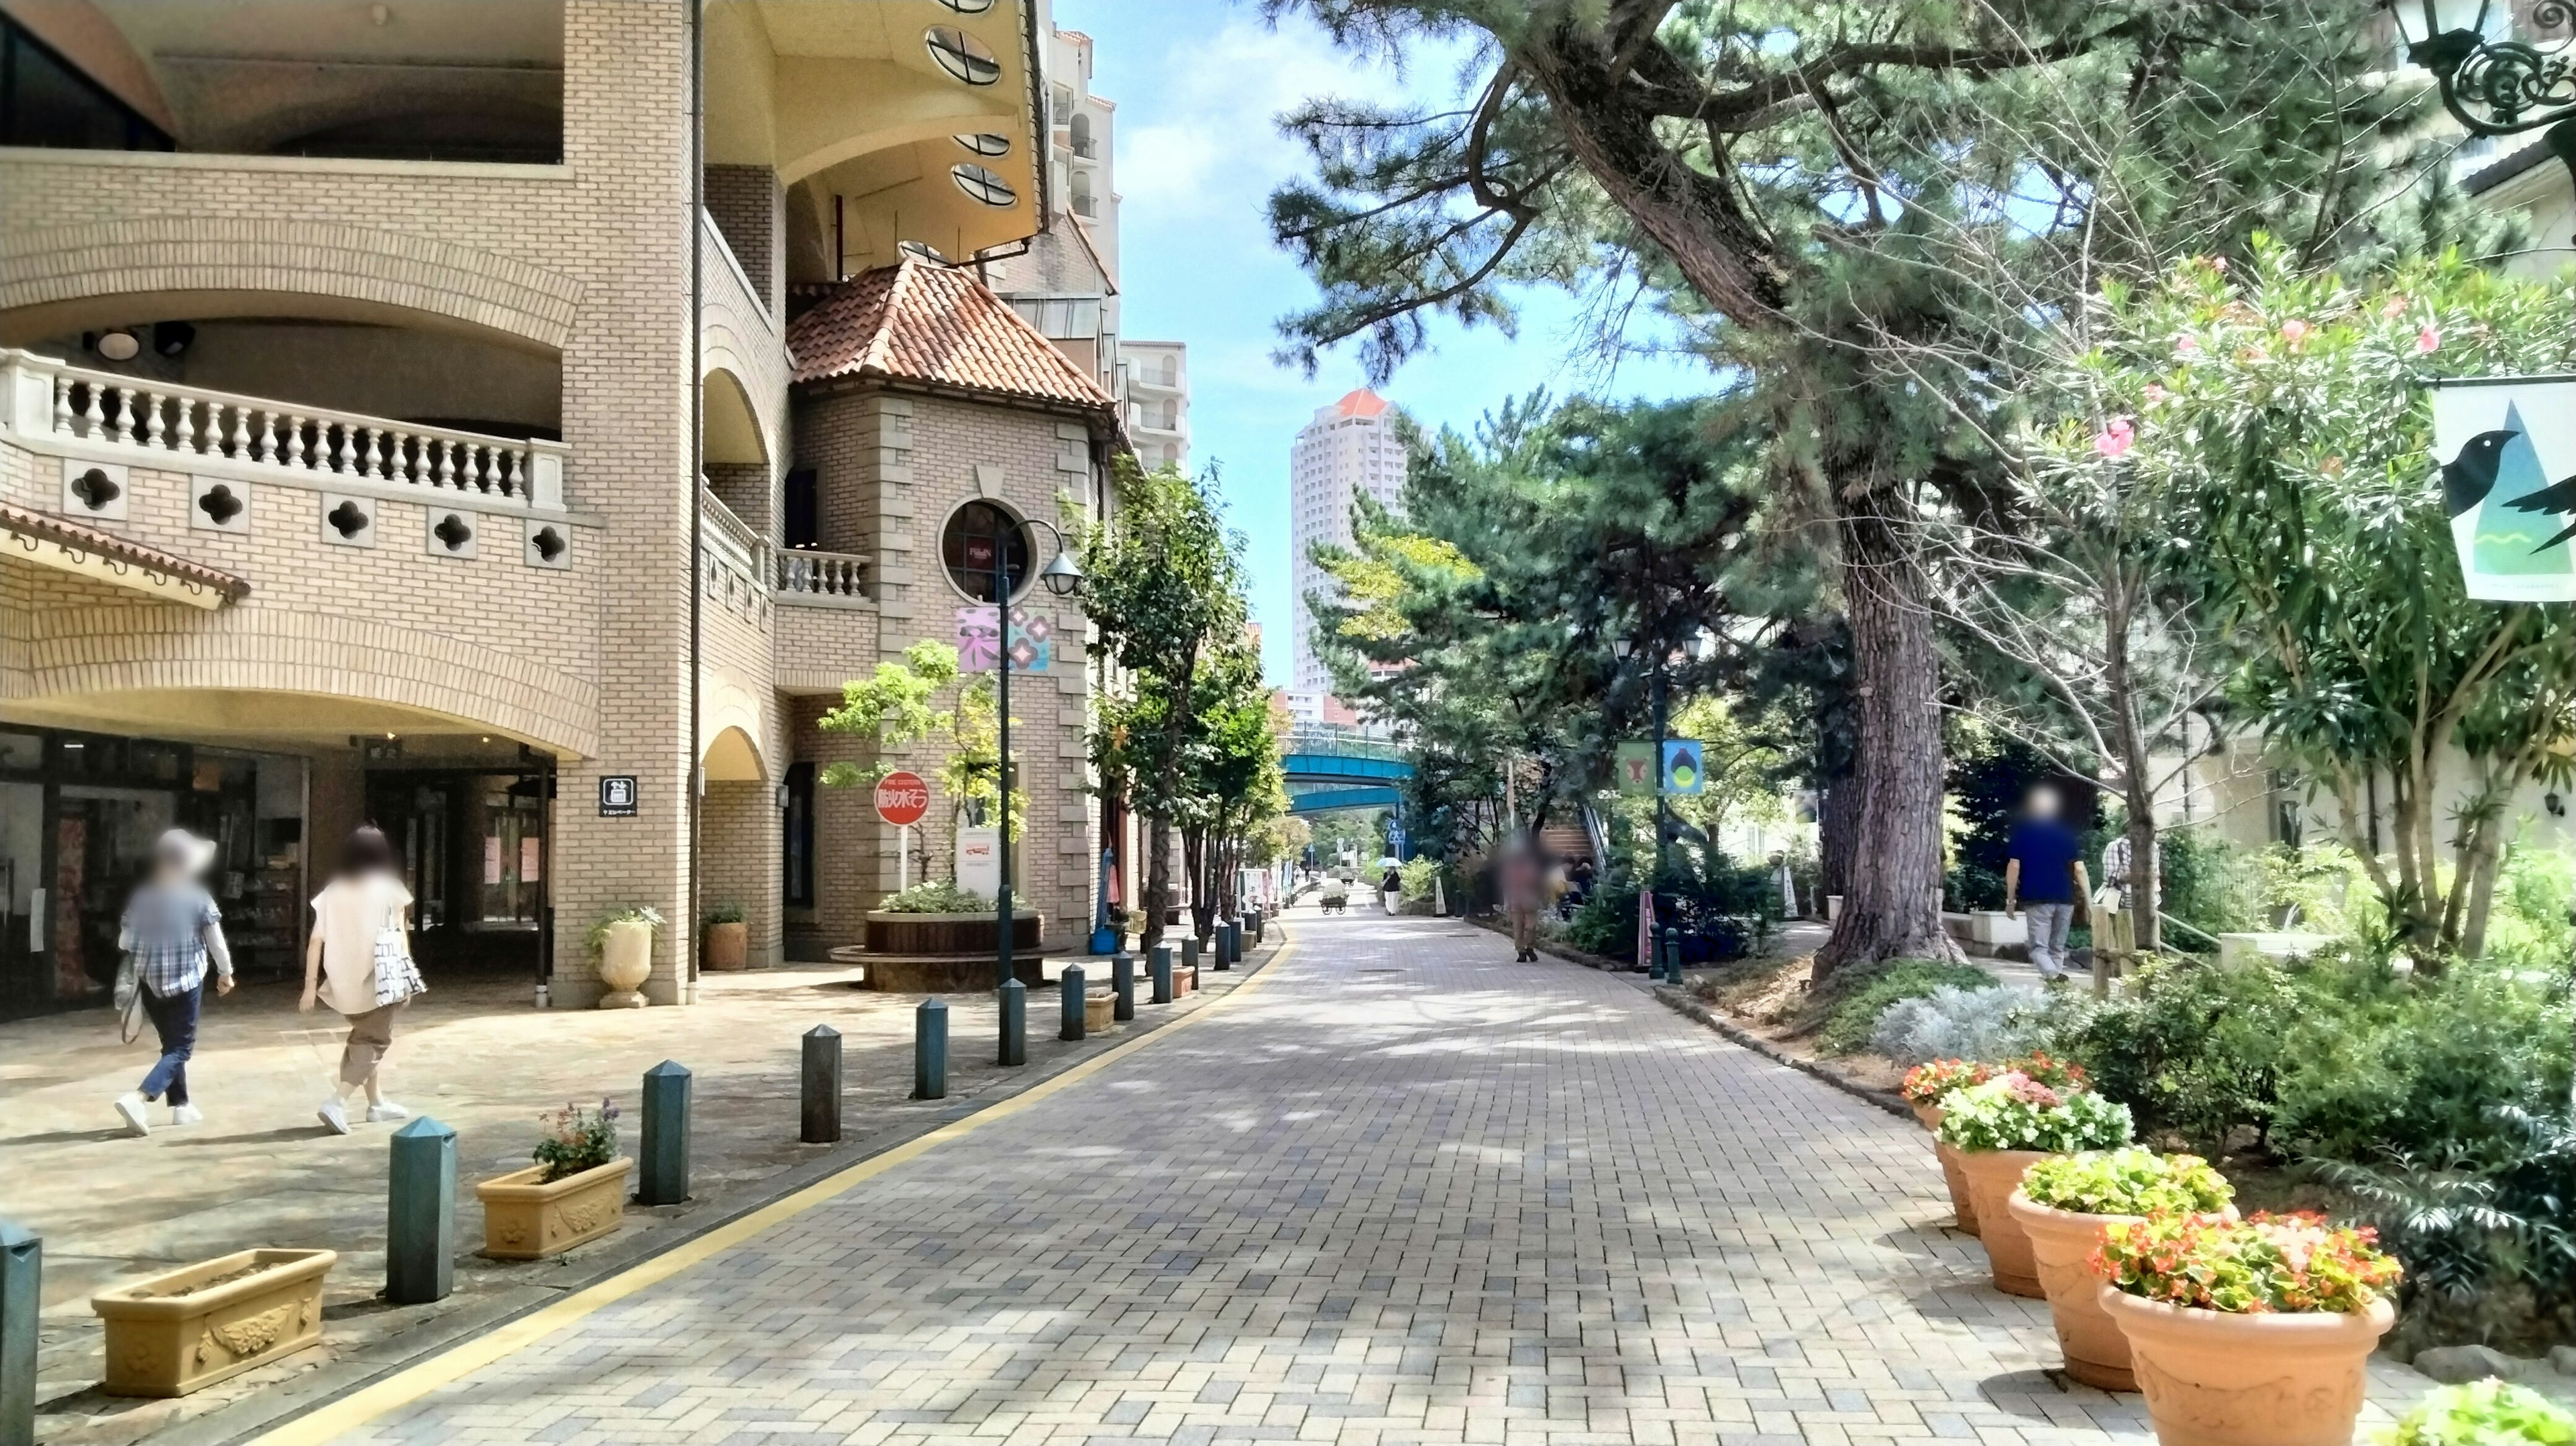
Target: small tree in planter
(574, 1193)
(2003, 1127)
(2062, 1205)
(2253, 1332)
(894, 708)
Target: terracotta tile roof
(936, 326)
(1361, 403)
(31, 529)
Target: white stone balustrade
(819, 577)
(744, 570)
(54, 406)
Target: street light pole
(2500, 87)
(1063, 577)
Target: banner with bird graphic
(2507, 447)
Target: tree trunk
(1158, 879)
(2137, 775)
(1892, 906)
(1837, 837)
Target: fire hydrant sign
(902, 798)
(2506, 450)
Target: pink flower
(2429, 340)
(2115, 439)
(2218, 264)
(2393, 308)
(2156, 393)
(2186, 345)
(2294, 331)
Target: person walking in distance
(1524, 889)
(2045, 869)
(173, 931)
(359, 962)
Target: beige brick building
(350, 395)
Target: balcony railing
(144, 422)
(746, 571)
(804, 576)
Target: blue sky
(1197, 84)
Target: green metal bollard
(1158, 969)
(1224, 942)
(1070, 1003)
(22, 1269)
(1190, 955)
(1122, 983)
(1260, 925)
(1015, 1022)
(820, 1119)
(930, 1050)
(420, 1214)
(662, 1157)
(1672, 955)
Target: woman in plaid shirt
(173, 930)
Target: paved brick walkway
(1403, 1191)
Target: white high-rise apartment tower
(1351, 447)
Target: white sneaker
(385, 1110)
(186, 1115)
(129, 1107)
(332, 1115)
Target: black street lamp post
(1655, 659)
(1063, 577)
(2501, 87)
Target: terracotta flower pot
(728, 947)
(1993, 1175)
(2277, 1379)
(196, 1325)
(2061, 1244)
(1963, 1207)
(527, 1218)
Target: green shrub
(2533, 925)
(935, 896)
(2385, 1064)
(1854, 998)
(2484, 1413)
(1606, 923)
(1417, 877)
(2210, 884)
(2195, 1050)
(722, 914)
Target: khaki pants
(370, 1035)
(1525, 930)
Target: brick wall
(749, 208)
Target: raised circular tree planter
(949, 933)
(945, 953)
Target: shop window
(798, 886)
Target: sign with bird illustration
(2508, 467)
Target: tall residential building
(386, 436)
(1064, 281)
(1352, 447)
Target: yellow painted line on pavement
(410, 1384)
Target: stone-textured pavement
(1403, 1190)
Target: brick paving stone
(1406, 1192)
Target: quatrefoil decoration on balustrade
(221, 504)
(96, 489)
(548, 543)
(452, 533)
(348, 519)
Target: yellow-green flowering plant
(2484, 1413)
(2129, 1181)
(2012, 1111)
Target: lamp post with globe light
(1063, 578)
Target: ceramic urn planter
(1963, 1207)
(625, 962)
(194, 1326)
(527, 1219)
(2281, 1378)
(2061, 1247)
(1993, 1176)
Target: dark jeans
(175, 1020)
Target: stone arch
(732, 729)
(732, 757)
(737, 432)
(58, 268)
(250, 651)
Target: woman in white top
(359, 963)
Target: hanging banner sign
(2507, 453)
(1680, 769)
(1683, 771)
(1633, 767)
(980, 643)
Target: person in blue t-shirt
(2045, 870)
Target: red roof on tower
(939, 327)
(1361, 403)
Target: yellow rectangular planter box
(174, 1333)
(526, 1220)
(1099, 1010)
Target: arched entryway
(738, 842)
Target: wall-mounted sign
(618, 795)
(2507, 452)
(902, 798)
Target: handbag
(130, 1017)
(397, 977)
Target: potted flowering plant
(2003, 1127)
(2062, 1205)
(573, 1194)
(2252, 1332)
(2484, 1413)
(1927, 1083)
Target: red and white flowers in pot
(2253, 1332)
(2003, 1127)
(2062, 1206)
